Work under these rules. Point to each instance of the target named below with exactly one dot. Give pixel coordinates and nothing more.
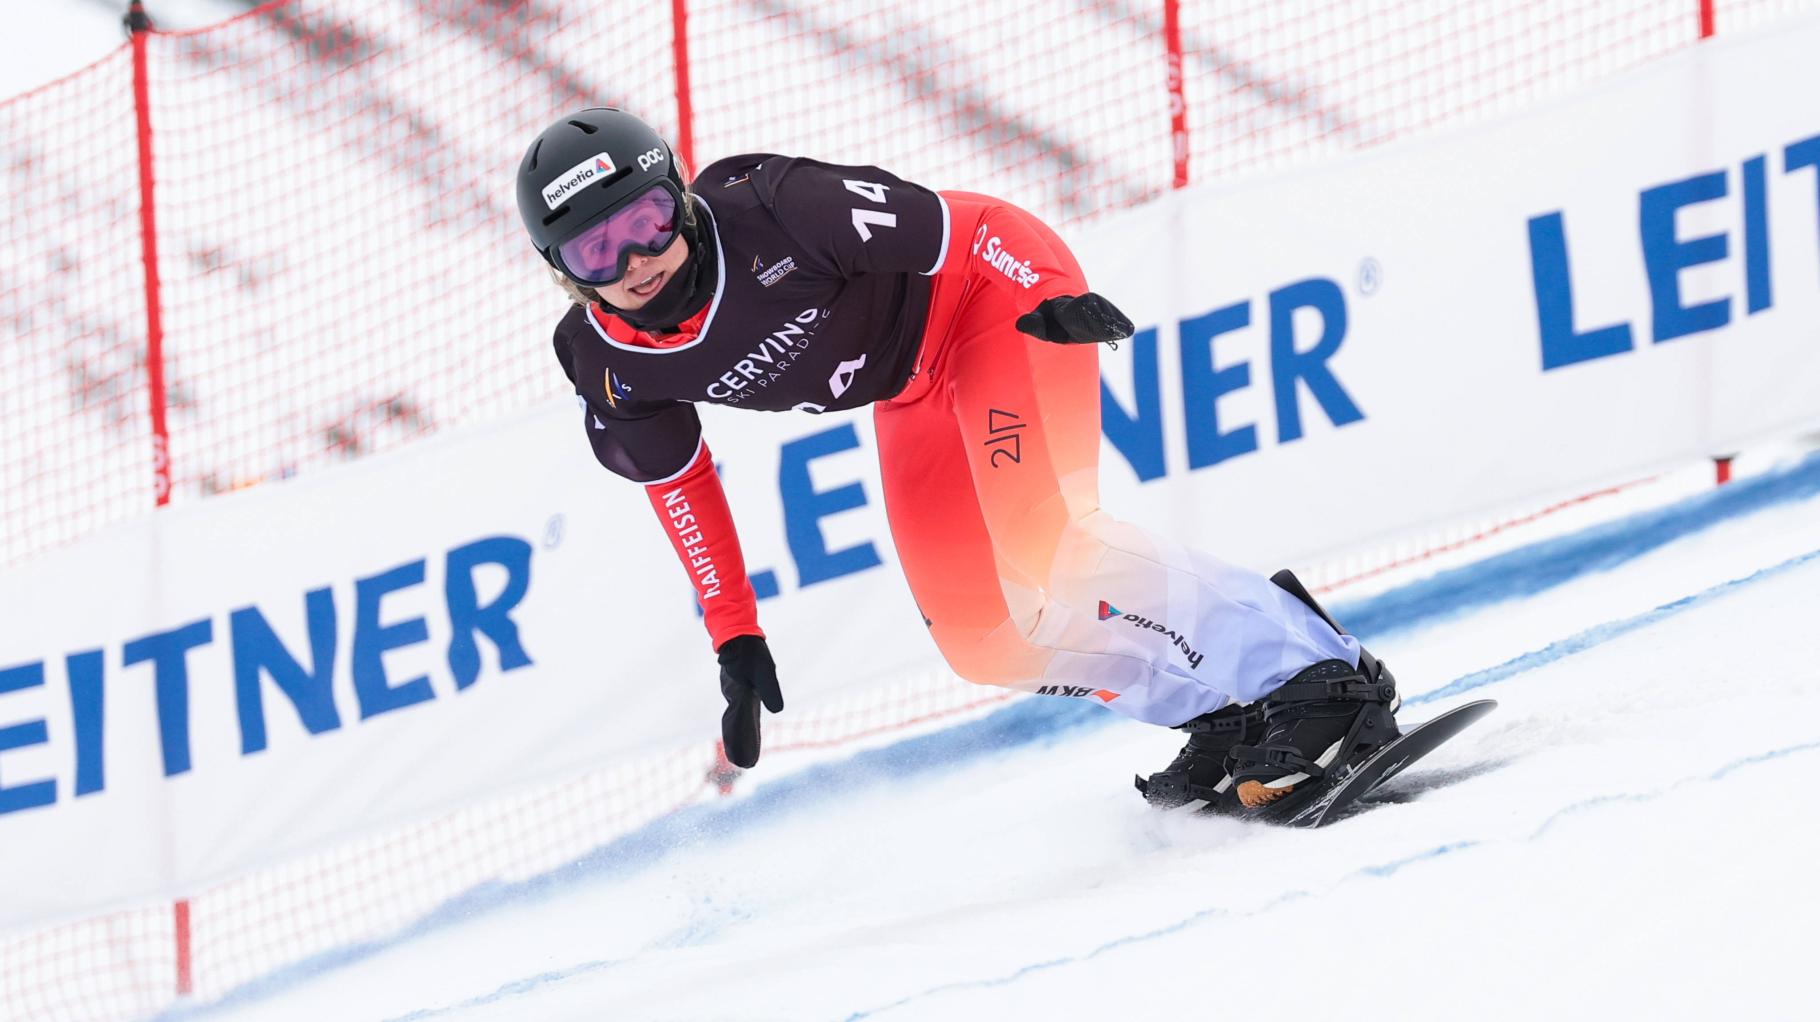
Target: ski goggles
(646, 224)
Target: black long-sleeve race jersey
(821, 302)
(820, 305)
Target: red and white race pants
(990, 459)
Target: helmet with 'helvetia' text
(597, 186)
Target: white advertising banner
(1603, 284)
(1600, 285)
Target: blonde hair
(578, 295)
(586, 296)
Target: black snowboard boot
(1200, 770)
(1326, 717)
(1323, 719)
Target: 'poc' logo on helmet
(578, 177)
(650, 158)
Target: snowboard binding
(1322, 722)
(1271, 758)
(1326, 718)
(1200, 770)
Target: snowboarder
(776, 283)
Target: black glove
(747, 676)
(1082, 319)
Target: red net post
(685, 114)
(1707, 17)
(180, 939)
(138, 25)
(1178, 102)
(723, 773)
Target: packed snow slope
(1632, 834)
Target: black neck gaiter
(688, 290)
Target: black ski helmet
(586, 165)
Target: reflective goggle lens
(646, 225)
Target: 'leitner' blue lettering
(1665, 254)
(1287, 365)
(168, 652)
(305, 680)
(805, 507)
(1203, 386)
(1563, 344)
(32, 794)
(1139, 437)
(257, 650)
(373, 689)
(470, 618)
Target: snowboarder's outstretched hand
(747, 677)
(1076, 319)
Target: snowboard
(1347, 786)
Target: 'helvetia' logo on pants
(1108, 612)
